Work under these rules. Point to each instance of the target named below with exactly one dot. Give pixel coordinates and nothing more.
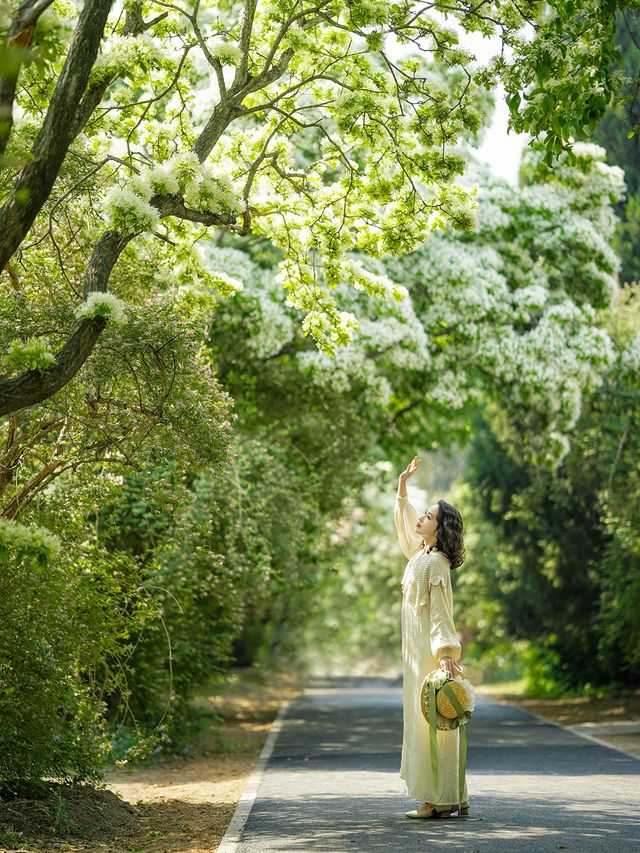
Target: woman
(433, 545)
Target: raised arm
(404, 515)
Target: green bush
(199, 613)
(544, 673)
(61, 615)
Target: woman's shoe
(428, 811)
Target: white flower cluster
(128, 213)
(550, 366)
(451, 390)
(124, 53)
(438, 677)
(128, 209)
(201, 284)
(37, 542)
(630, 356)
(226, 52)
(276, 328)
(531, 298)
(214, 193)
(346, 368)
(204, 186)
(328, 327)
(381, 286)
(589, 188)
(270, 326)
(102, 305)
(157, 181)
(508, 312)
(223, 283)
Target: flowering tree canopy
(507, 313)
(286, 118)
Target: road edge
(232, 836)
(564, 728)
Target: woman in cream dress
(433, 545)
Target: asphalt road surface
(332, 782)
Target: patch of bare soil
(65, 809)
(175, 805)
(610, 719)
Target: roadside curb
(230, 839)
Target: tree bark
(31, 387)
(19, 35)
(36, 180)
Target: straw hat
(444, 705)
(444, 716)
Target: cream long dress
(428, 634)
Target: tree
(184, 117)
(615, 133)
(565, 575)
(295, 69)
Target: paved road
(332, 782)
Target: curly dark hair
(449, 534)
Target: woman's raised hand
(411, 468)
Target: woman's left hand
(451, 666)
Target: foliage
(185, 120)
(209, 349)
(560, 82)
(193, 591)
(507, 314)
(572, 535)
(147, 391)
(60, 617)
(616, 133)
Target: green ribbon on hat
(433, 738)
(433, 735)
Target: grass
(10, 839)
(504, 688)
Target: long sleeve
(443, 636)
(406, 518)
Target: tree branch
(31, 387)
(19, 35)
(36, 179)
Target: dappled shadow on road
(332, 782)
(349, 733)
(371, 824)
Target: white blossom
(102, 305)
(630, 356)
(128, 213)
(226, 52)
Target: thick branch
(224, 112)
(30, 388)
(134, 25)
(246, 25)
(173, 205)
(23, 23)
(14, 507)
(35, 181)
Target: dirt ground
(184, 804)
(177, 804)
